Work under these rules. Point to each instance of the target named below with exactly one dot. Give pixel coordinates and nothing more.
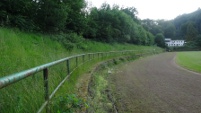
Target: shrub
(68, 104)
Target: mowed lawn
(190, 60)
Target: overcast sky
(155, 9)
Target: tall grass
(20, 51)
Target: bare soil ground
(155, 84)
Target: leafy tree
(152, 26)
(198, 41)
(112, 24)
(106, 24)
(159, 40)
(142, 36)
(191, 32)
(44, 15)
(169, 31)
(132, 12)
(76, 21)
(52, 15)
(92, 24)
(20, 13)
(150, 38)
(191, 20)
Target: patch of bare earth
(156, 85)
(82, 85)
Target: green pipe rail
(11, 79)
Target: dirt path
(156, 85)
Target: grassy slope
(20, 51)
(189, 60)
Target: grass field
(20, 51)
(190, 60)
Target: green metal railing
(11, 79)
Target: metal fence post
(83, 58)
(45, 77)
(68, 67)
(89, 56)
(76, 61)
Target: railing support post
(89, 56)
(83, 58)
(76, 61)
(45, 77)
(68, 66)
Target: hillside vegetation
(34, 32)
(186, 27)
(20, 51)
(106, 24)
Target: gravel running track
(155, 84)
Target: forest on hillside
(185, 26)
(110, 24)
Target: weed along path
(155, 84)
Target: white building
(174, 43)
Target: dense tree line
(186, 26)
(114, 24)
(42, 15)
(106, 24)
